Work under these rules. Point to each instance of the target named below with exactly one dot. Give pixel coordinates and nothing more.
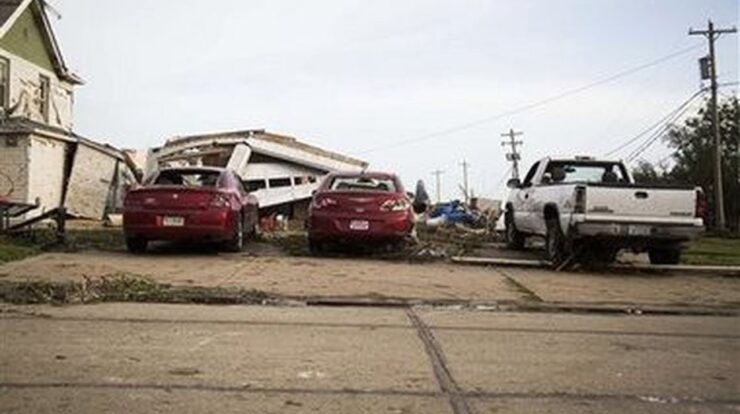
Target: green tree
(693, 155)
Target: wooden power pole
(438, 174)
(513, 156)
(712, 34)
(464, 164)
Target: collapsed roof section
(278, 169)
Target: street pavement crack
(447, 383)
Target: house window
(279, 182)
(4, 82)
(44, 97)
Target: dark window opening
(279, 182)
(44, 97)
(4, 82)
(254, 185)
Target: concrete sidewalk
(182, 358)
(377, 280)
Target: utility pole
(437, 174)
(513, 156)
(465, 166)
(712, 34)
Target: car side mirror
(514, 183)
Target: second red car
(359, 207)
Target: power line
(532, 105)
(661, 121)
(655, 136)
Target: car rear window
(362, 183)
(188, 178)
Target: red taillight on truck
(579, 205)
(700, 205)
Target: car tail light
(220, 201)
(324, 202)
(395, 205)
(580, 200)
(700, 205)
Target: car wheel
(136, 244)
(316, 247)
(554, 243)
(236, 243)
(514, 239)
(664, 255)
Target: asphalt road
(142, 358)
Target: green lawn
(712, 251)
(10, 251)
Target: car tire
(664, 255)
(236, 243)
(514, 239)
(136, 245)
(554, 243)
(316, 247)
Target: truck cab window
(530, 175)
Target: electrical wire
(534, 104)
(661, 121)
(655, 136)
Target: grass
(712, 251)
(122, 287)
(13, 250)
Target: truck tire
(554, 243)
(514, 239)
(136, 245)
(664, 255)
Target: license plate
(634, 230)
(173, 221)
(359, 225)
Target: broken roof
(230, 137)
(11, 10)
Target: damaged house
(42, 161)
(281, 171)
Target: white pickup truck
(593, 208)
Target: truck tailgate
(641, 202)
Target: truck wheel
(554, 243)
(514, 239)
(664, 255)
(236, 243)
(136, 244)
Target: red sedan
(192, 203)
(359, 207)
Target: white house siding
(24, 92)
(90, 182)
(14, 156)
(46, 171)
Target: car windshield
(363, 183)
(188, 178)
(565, 172)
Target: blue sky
(357, 75)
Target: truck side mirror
(514, 183)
